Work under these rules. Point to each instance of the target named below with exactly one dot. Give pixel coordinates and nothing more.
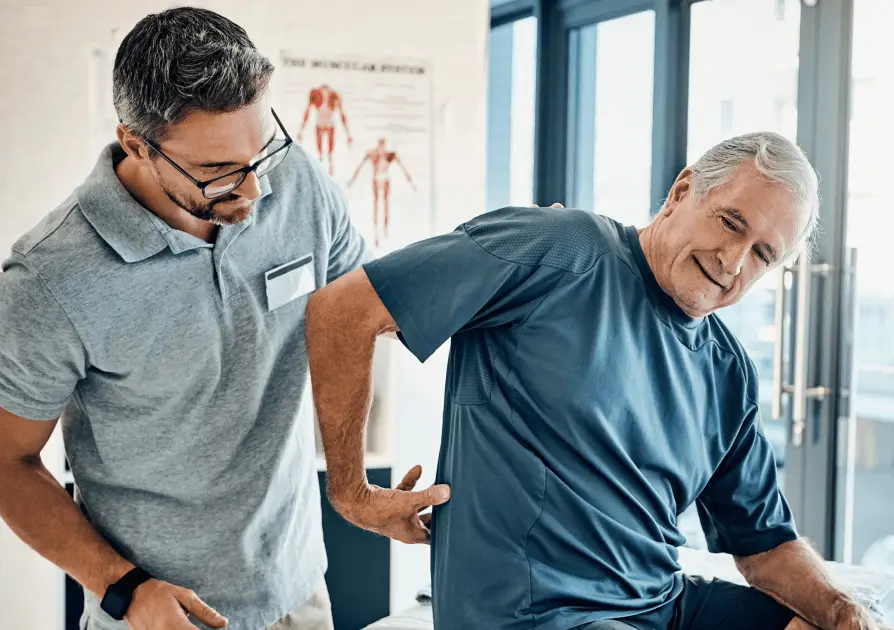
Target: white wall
(44, 136)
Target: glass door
(736, 89)
(610, 116)
(510, 114)
(865, 466)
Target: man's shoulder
(301, 177)
(298, 163)
(726, 340)
(305, 199)
(572, 240)
(59, 253)
(62, 242)
(49, 230)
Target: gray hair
(776, 158)
(180, 61)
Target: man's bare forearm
(794, 575)
(344, 319)
(42, 514)
(340, 348)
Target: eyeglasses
(219, 186)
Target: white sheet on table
(416, 618)
(871, 588)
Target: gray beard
(205, 212)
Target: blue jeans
(707, 605)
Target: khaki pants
(314, 614)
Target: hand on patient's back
(394, 513)
(158, 605)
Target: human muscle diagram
(381, 159)
(326, 102)
(369, 123)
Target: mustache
(207, 213)
(225, 199)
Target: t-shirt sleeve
(742, 509)
(453, 283)
(348, 250)
(42, 357)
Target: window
(510, 114)
(866, 475)
(611, 116)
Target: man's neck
(646, 235)
(649, 244)
(146, 191)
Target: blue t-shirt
(584, 411)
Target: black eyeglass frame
(202, 185)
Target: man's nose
(732, 258)
(250, 188)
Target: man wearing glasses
(159, 311)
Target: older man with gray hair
(160, 311)
(591, 397)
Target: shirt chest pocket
(290, 281)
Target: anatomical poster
(369, 122)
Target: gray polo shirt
(180, 371)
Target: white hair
(776, 158)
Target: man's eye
(762, 256)
(729, 224)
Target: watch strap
(118, 596)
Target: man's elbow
(347, 311)
(753, 567)
(746, 566)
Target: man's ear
(132, 145)
(681, 188)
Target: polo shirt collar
(130, 229)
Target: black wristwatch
(118, 596)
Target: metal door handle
(799, 390)
(799, 385)
(846, 408)
(778, 347)
(849, 334)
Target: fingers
(436, 495)
(555, 205)
(395, 512)
(200, 610)
(419, 533)
(426, 520)
(410, 479)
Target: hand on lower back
(158, 605)
(392, 513)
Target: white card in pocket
(290, 281)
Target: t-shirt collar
(665, 301)
(131, 230)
